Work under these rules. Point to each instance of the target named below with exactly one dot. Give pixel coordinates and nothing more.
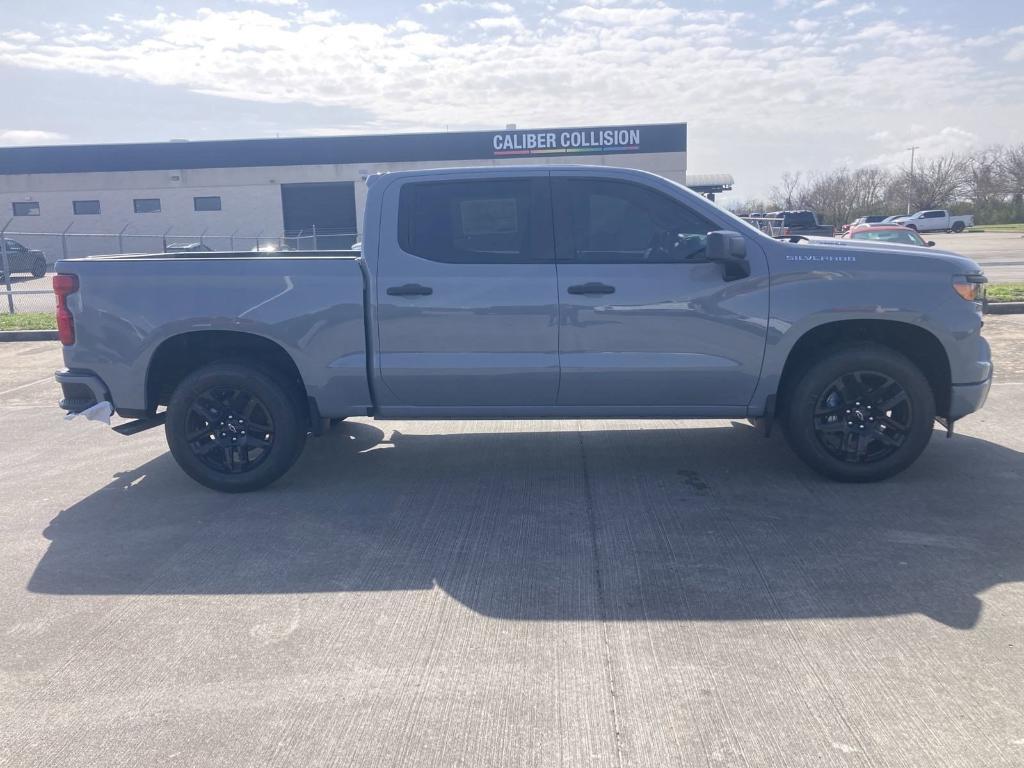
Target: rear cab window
(799, 219)
(483, 221)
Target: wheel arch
(919, 345)
(179, 355)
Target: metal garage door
(321, 215)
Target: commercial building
(308, 188)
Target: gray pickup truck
(529, 292)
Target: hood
(905, 255)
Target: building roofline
(329, 150)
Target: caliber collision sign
(565, 142)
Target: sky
(765, 87)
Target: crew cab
(935, 221)
(529, 292)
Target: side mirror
(729, 249)
(930, 243)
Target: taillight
(64, 286)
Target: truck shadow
(557, 524)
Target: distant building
(292, 187)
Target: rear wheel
(861, 414)
(39, 267)
(235, 428)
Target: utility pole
(910, 187)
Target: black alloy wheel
(859, 413)
(863, 417)
(235, 427)
(229, 430)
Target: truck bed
(308, 303)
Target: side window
(603, 221)
(933, 215)
(472, 222)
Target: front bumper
(968, 398)
(81, 390)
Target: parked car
(888, 233)
(22, 259)
(530, 291)
(187, 248)
(802, 223)
(864, 220)
(936, 221)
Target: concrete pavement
(1000, 254)
(510, 593)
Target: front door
(467, 301)
(644, 319)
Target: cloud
(803, 25)
(858, 9)
(823, 4)
(29, 137)
(503, 22)
(574, 63)
(1016, 53)
(927, 145)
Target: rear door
(644, 320)
(467, 299)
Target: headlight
(970, 287)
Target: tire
(958, 227)
(911, 226)
(38, 267)
(860, 414)
(250, 398)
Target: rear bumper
(968, 398)
(81, 390)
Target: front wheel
(38, 267)
(234, 428)
(958, 227)
(860, 414)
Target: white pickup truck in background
(936, 221)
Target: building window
(86, 207)
(147, 204)
(26, 209)
(206, 203)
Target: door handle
(591, 288)
(410, 289)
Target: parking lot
(1000, 254)
(510, 593)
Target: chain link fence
(27, 258)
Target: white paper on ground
(102, 411)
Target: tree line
(988, 183)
